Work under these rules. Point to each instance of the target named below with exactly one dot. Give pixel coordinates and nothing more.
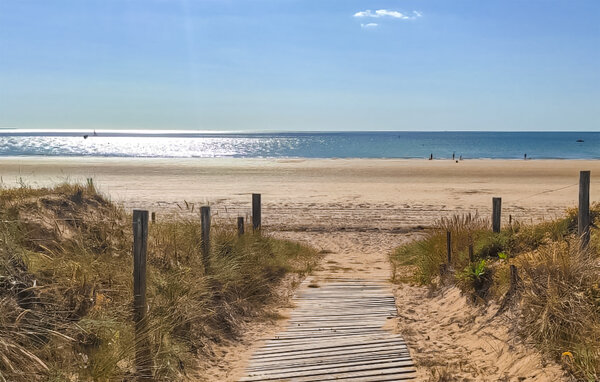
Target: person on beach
(525, 156)
(453, 155)
(431, 156)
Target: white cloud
(388, 13)
(385, 12)
(362, 13)
(369, 25)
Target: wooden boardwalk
(336, 333)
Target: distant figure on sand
(460, 158)
(525, 156)
(431, 156)
(453, 155)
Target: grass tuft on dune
(66, 287)
(558, 291)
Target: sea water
(189, 144)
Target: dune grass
(559, 285)
(66, 287)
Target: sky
(294, 65)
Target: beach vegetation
(476, 277)
(66, 287)
(555, 292)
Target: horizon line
(8, 130)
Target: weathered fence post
(449, 247)
(496, 211)
(240, 225)
(514, 277)
(143, 354)
(256, 212)
(583, 217)
(205, 222)
(153, 217)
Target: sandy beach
(323, 194)
(358, 211)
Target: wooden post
(449, 247)
(205, 221)
(514, 278)
(256, 224)
(496, 210)
(583, 217)
(240, 225)
(471, 255)
(143, 354)
(153, 217)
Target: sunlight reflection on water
(307, 145)
(143, 146)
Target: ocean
(181, 144)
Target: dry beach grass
(554, 306)
(66, 288)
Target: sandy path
(352, 254)
(448, 338)
(349, 256)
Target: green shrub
(476, 277)
(489, 245)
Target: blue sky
(300, 65)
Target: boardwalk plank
(329, 370)
(336, 333)
(327, 362)
(274, 363)
(399, 373)
(299, 354)
(333, 347)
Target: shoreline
(108, 158)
